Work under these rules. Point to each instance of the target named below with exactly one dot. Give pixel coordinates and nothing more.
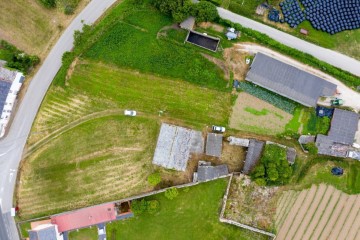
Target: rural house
(288, 81)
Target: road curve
(11, 147)
(332, 57)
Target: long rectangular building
(288, 81)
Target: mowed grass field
(194, 214)
(30, 26)
(84, 234)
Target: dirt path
(334, 216)
(317, 215)
(340, 221)
(350, 220)
(351, 98)
(290, 217)
(310, 212)
(302, 211)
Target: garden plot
(252, 114)
(251, 204)
(175, 145)
(321, 212)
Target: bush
(311, 147)
(154, 179)
(68, 10)
(48, 3)
(171, 193)
(142, 206)
(153, 206)
(205, 12)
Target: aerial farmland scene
(179, 119)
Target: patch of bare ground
(272, 122)
(289, 219)
(71, 70)
(233, 156)
(251, 204)
(303, 223)
(235, 61)
(162, 32)
(220, 63)
(319, 211)
(213, 26)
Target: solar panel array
(4, 90)
(331, 16)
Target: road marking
(11, 175)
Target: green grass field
(192, 215)
(84, 234)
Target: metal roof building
(253, 155)
(214, 144)
(206, 172)
(288, 81)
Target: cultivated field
(30, 26)
(321, 212)
(252, 114)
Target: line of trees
(182, 9)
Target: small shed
(290, 155)
(206, 172)
(304, 31)
(253, 155)
(188, 23)
(242, 142)
(214, 144)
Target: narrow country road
(11, 147)
(332, 57)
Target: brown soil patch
(220, 63)
(213, 26)
(71, 69)
(235, 61)
(272, 123)
(233, 157)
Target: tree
(153, 206)
(205, 12)
(171, 193)
(154, 179)
(311, 147)
(139, 206)
(178, 9)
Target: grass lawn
(295, 123)
(84, 234)
(192, 215)
(24, 228)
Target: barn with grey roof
(288, 81)
(214, 144)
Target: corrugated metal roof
(253, 155)
(205, 173)
(214, 144)
(344, 125)
(288, 81)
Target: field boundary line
(286, 211)
(357, 214)
(357, 200)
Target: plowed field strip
(350, 218)
(351, 235)
(335, 198)
(301, 213)
(290, 217)
(334, 216)
(310, 212)
(291, 202)
(319, 211)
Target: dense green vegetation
(263, 111)
(194, 214)
(278, 101)
(68, 6)
(17, 59)
(273, 168)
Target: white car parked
(218, 129)
(130, 113)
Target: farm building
(288, 81)
(10, 84)
(188, 23)
(206, 172)
(45, 231)
(338, 142)
(174, 146)
(253, 155)
(214, 144)
(203, 40)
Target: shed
(344, 125)
(206, 172)
(253, 155)
(214, 144)
(242, 142)
(290, 155)
(188, 23)
(288, 81)
(304, 31)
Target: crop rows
(321, 212)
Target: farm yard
(321, 212)
(252, 114)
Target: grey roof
(48, 233)
(326, 146)
(206, 172)
(304, 139)
(214, 144)
(188, 23)
(4, 91)
(253, 155)
(344, 125)
(354, 155)
(288, 80)
(290, 155)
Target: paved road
(334, 58)
(11, 147)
